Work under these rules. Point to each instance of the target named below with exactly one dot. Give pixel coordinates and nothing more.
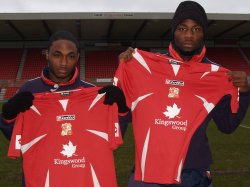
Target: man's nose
(64, 60)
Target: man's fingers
(126, 55)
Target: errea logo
(63, 94)
(65, 118)
(175, 62)
(174, 82)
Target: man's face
(188, 35)
(63, 57)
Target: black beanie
(189, 10)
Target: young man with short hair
(61, 74)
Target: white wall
(116, 8)
(38, 6)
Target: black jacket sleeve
(227, 121)
(6, 128)
(124, 121)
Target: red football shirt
(67, 139)
(169, 100)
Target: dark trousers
(23, 181)
(189, 178)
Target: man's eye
(182, 29)
(71, 56)
(56, 55)
(197, 29)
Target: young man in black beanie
(189, 27)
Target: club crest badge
(66, 129)
(173, 92)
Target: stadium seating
(230, 58)
(10, 60)
(10, 92)
(35, 62)
(246, 51)
(101, 64)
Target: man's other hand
(126, 55)
(239, 79)
(114, 95)
(18, 103)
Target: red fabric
(74, 138)
(169, 100)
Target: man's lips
(188, 44)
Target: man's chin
(63, 76)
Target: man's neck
(186, 58)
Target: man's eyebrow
(56, 51)
(71, 52)
(182, 24)
(185, 25)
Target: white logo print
(175, 124)
(18, 142)
(116, 130)
(172, 112)
(68, 150)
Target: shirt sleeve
(234, 92)
(114, 131)
(15, 142)
(123, 81)
(213, 84)
(230, 89)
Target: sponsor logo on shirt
(174, 82)
(116, 130)
(172, 112)
(175, 62)
(65, 94)
(65, 117)
(18, 142)
(69, 151)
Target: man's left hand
(114, 95)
